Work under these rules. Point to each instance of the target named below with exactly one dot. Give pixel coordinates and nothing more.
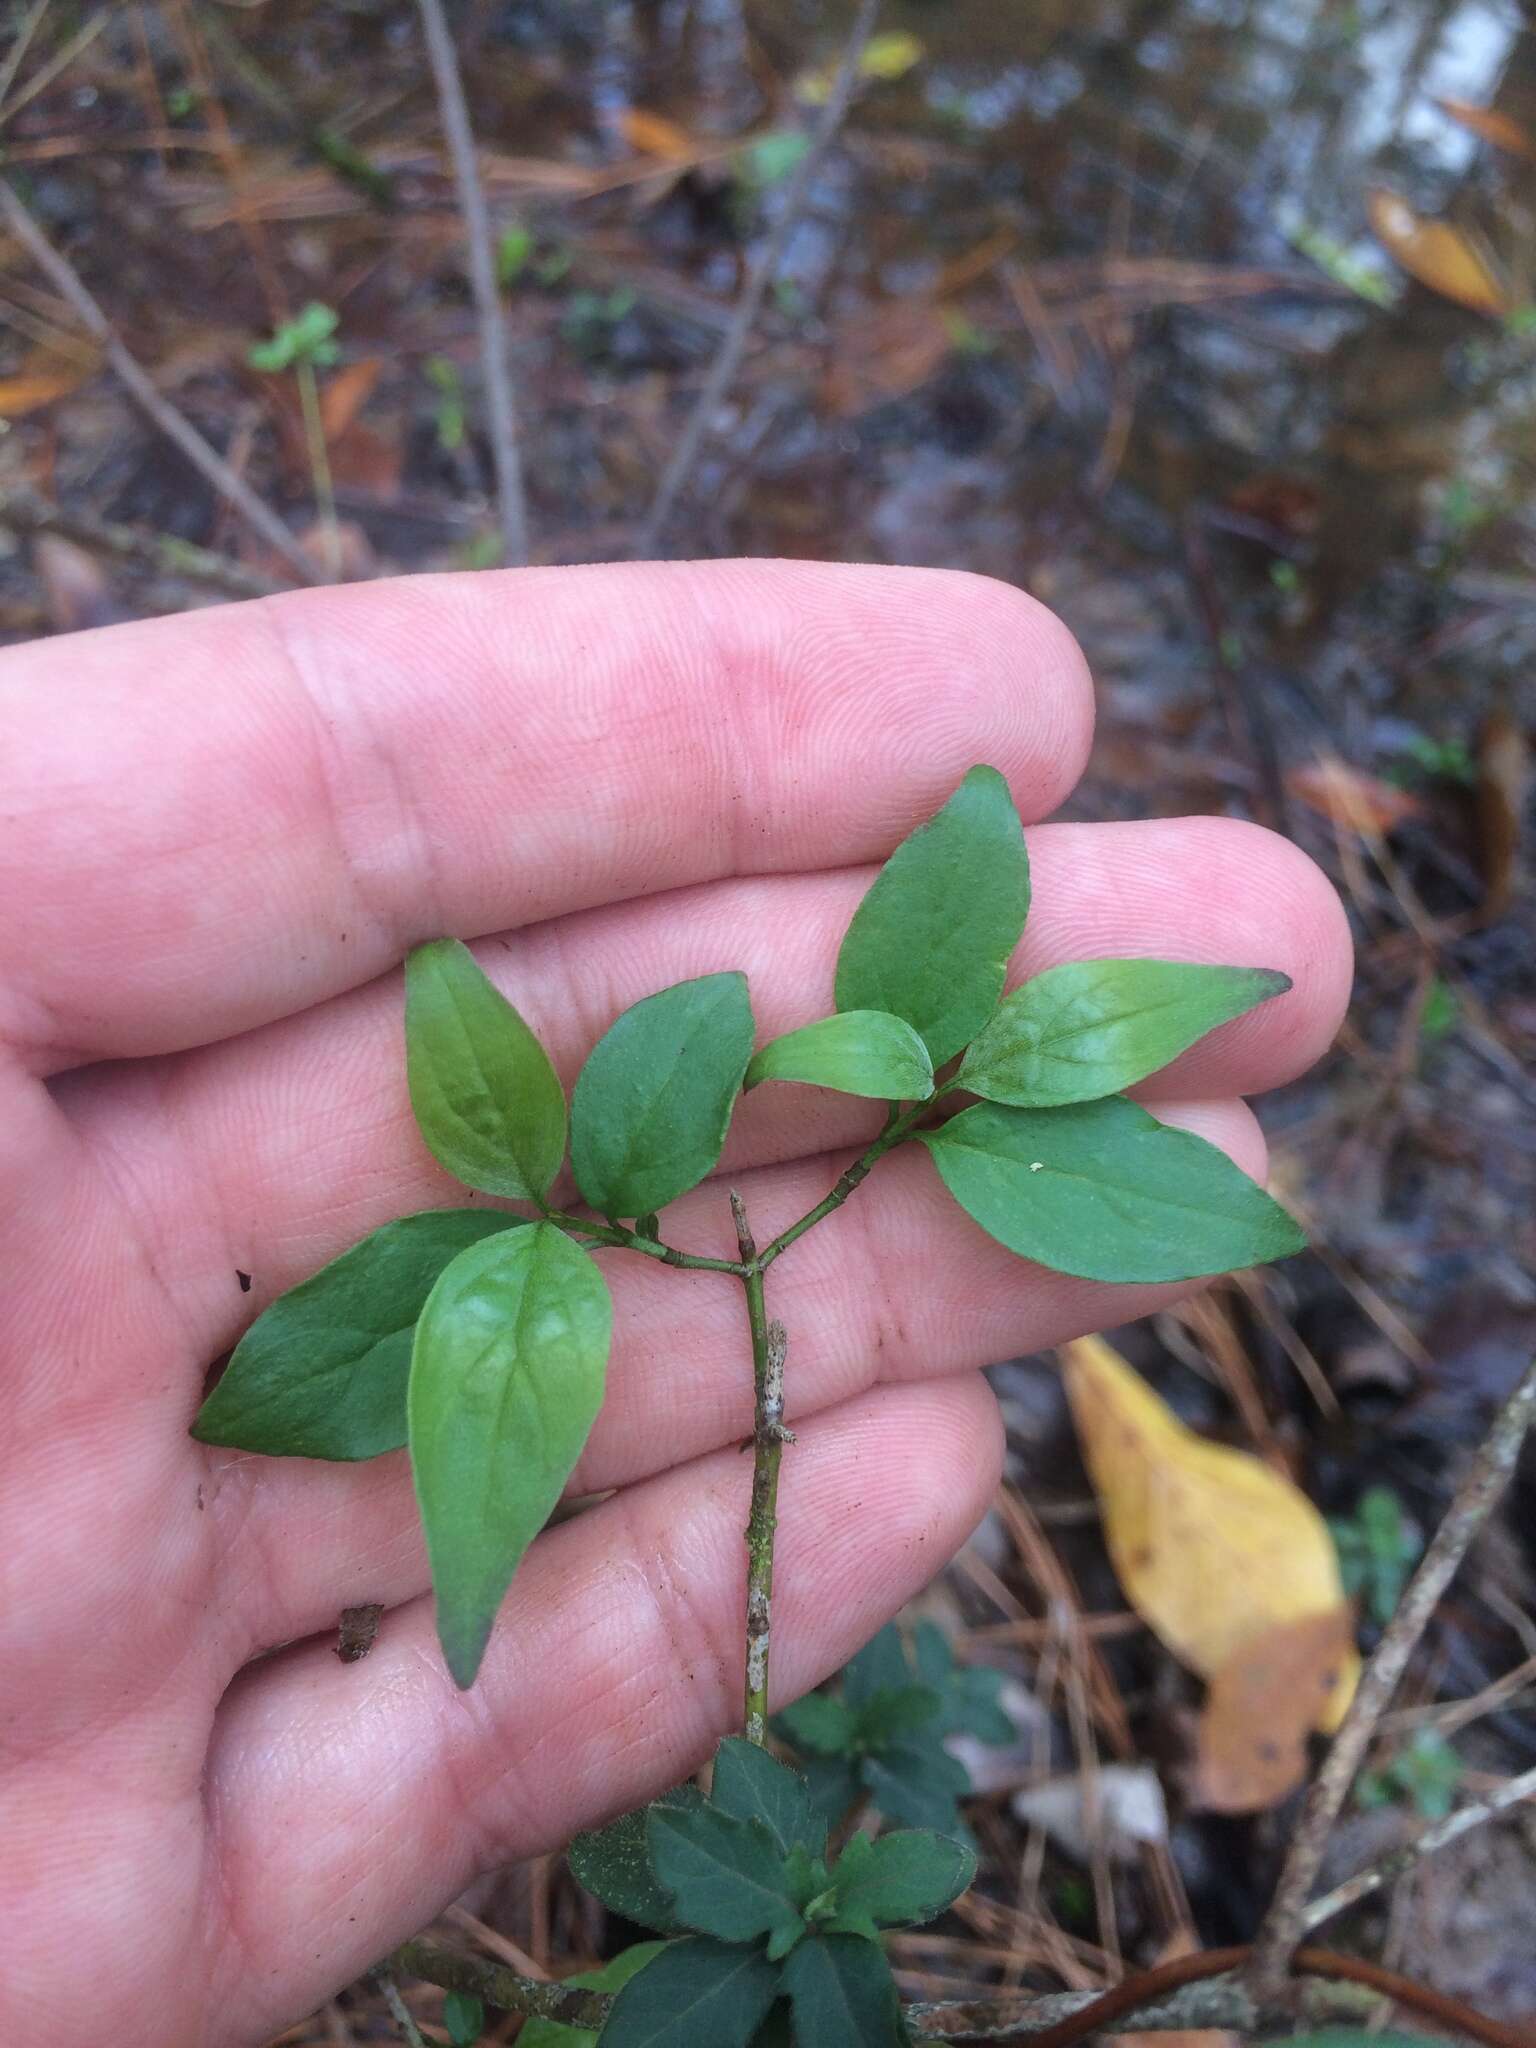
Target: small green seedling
(442, 373)
(1423, 1774)
(759, 1911)
(1378, 1546)
(305, 344)
(879, 1736)
(479, 1337)
(591, 319)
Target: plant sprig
(480, 1339)
(506, 1327)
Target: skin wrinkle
(399, 934)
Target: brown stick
(1456, 1824)
(161, 553)
(176, 427)
(1485, 1480)
(1132, 1993)
(722, 371)
(494, 368)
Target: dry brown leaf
(346, 393)
(42, 378)
(1503, 786)
(1230, 1564)
(1263, 1703)
(1437, 254)
(1502, 130)
(1348, 796)
(655, 135)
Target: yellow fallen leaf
(1233, 1568)
(1436, 253)
(1262, 1705)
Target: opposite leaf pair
(743, 1879)
(483, 1340)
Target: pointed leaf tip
(507, 1376)
(932, 938)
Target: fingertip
(1231, 1126)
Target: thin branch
(176, 427)
(19, 47)
(499, 1986)
(1125, 2005)
(399, 2011)
(898, 1127)
(60, 61)
(1455, 1825)
(769, 1436)
(494, 367)
(760, 275)
(163, 554)
(1485, 1480)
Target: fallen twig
(176, 427)
(1139, 2003)
(494, 367)
(1486, 1479)
(163, 553)
(1456, 1824)
(764, 268)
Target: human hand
(222, 833)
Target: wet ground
(1088, 297)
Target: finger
(246, 810)
(351, 1802)
(272, 1153)
(897, 1286)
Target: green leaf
(842, 1994)
(1362, 2037)
(1104, 1191)
(485, 1095)
(820, 1723)
(881, 1666)
(304, 339)
(900, 1880)
(613, 1976)
(860, 1052)
(650, 1109)
(749, 1784)
(894, 1712)
(506, 1381)
(695, 1992)
(974, 1703)
(1095, 1027)
(726, 1876)
(833, 1784)
(932, 1658)
(919, 1785)
(614, 1864)
(932, 939)
(464, 2017)
(321, 1373)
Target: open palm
(221, 835)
